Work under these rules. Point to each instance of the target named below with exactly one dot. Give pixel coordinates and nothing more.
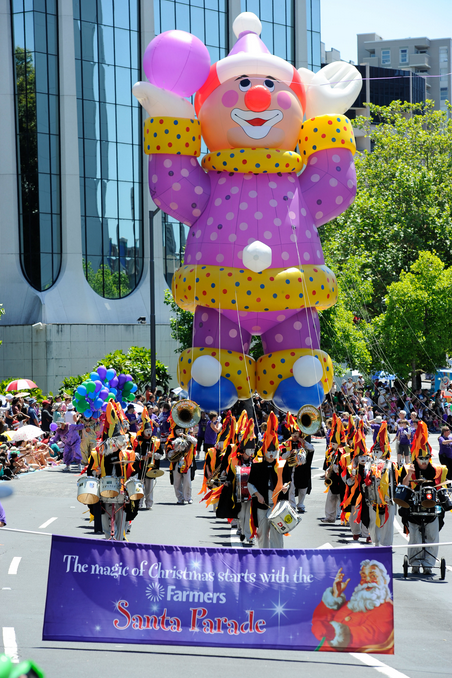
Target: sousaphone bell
(309, 419)
(185, 414)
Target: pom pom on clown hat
(420, 447)
(250, 56)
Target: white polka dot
(174, 205)
(198, 190)
(217, 202)
(267, 235)
(315, 177)
(247, 177)
(256, 328)
(234, 190)
(205, 317)
(167, 163)
(154, 178)
(209, 340)
(318, 253)
(184, 172)
(243, 206)
(308, 234)
(219, 258)
(279, 338)
(339, 200)
(292, 215)
(243, 226)
(290, 194)
(285, 256)
(293, 237)
(176, 186)
(280, 318)
(251, 240)
(313, 160)
(336, 158)
(333, 182)
(209, 221)
(306, 256)
(198, 234)
(188, 259)
(252, 194)
(222, 180)
(213, 236)
(277, 222)
(303, 212)
(229, 216)
(308, 341)
(192, 162)
(196, 212)
(291, 178)
(318, 215)
(240, 254)
(272, 184)
(157, 201)
(198, 256)
(233, 334)
(273, 203)
(232, 237)
(350, 183)
(297, 325)
(258, 215)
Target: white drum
(134, 489)
(88, 490)
(283, 517)
(110, 487)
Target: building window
(175, 236)
(278, 29)
(35, 44)
(403, 55)
(385, 57)
(107, 51)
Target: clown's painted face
(251, 111)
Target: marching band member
(180, 454)
(299, 453)
(269, 482)
(147, 447)
(245, 454)
(382, 477)
(333, 480)
(354, 475)
(422, 473)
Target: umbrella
(21, 385)
(28, 432)
(8, 434)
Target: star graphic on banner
(279, 610)
(97, 628)
(195, 564)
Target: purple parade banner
(314, 599)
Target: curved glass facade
(35, 44)
(107, 52)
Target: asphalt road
(45, 502)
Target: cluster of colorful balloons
(92, 396)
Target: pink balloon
(177, 61)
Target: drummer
(422, 473)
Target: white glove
(350, 481)
(158, 101)
(335, 468)
(332, 90)
(157, 456)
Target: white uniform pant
(120, 520)
(182, 485)
(148, 499)
(267, 536)
(419, 556)
(383, 535)
(302, 492)
(357, 528)
(332, 505)
(244, 519)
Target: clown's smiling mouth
(256, 126)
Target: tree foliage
(181, 324)
(107, 283)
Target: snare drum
(134, 489)
(427, 497)
(444, 499)
(242, 475)
(110, 487)
(88, 490)
(283, 517)
(404, 496)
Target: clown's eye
(245, 84)
(269, 84)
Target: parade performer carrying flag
(354, 475)
(336, 459)
(381, 481)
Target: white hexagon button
(257, 256)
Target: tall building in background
(78, 227)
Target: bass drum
(88, 490)
(444, 499)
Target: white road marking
(378, 665)
(14, 565)
(47, 523)
(6, 588)
(327, 545)
(9, 643)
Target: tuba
(309, 419)
(186, 413)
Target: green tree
(181, 324)
(105, 282)
(416, 327)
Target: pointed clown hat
(420, 446)
(382, 441)
(227, 434)
(359, 441)
(337, 431)
(291, 423)
(113, 423)
(250, 56)
(350, 430)
(241, 423)
(146, 422)
(248, 435)
(270, 440)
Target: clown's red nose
(258, 98)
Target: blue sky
(342, 20)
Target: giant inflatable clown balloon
(253, 259)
